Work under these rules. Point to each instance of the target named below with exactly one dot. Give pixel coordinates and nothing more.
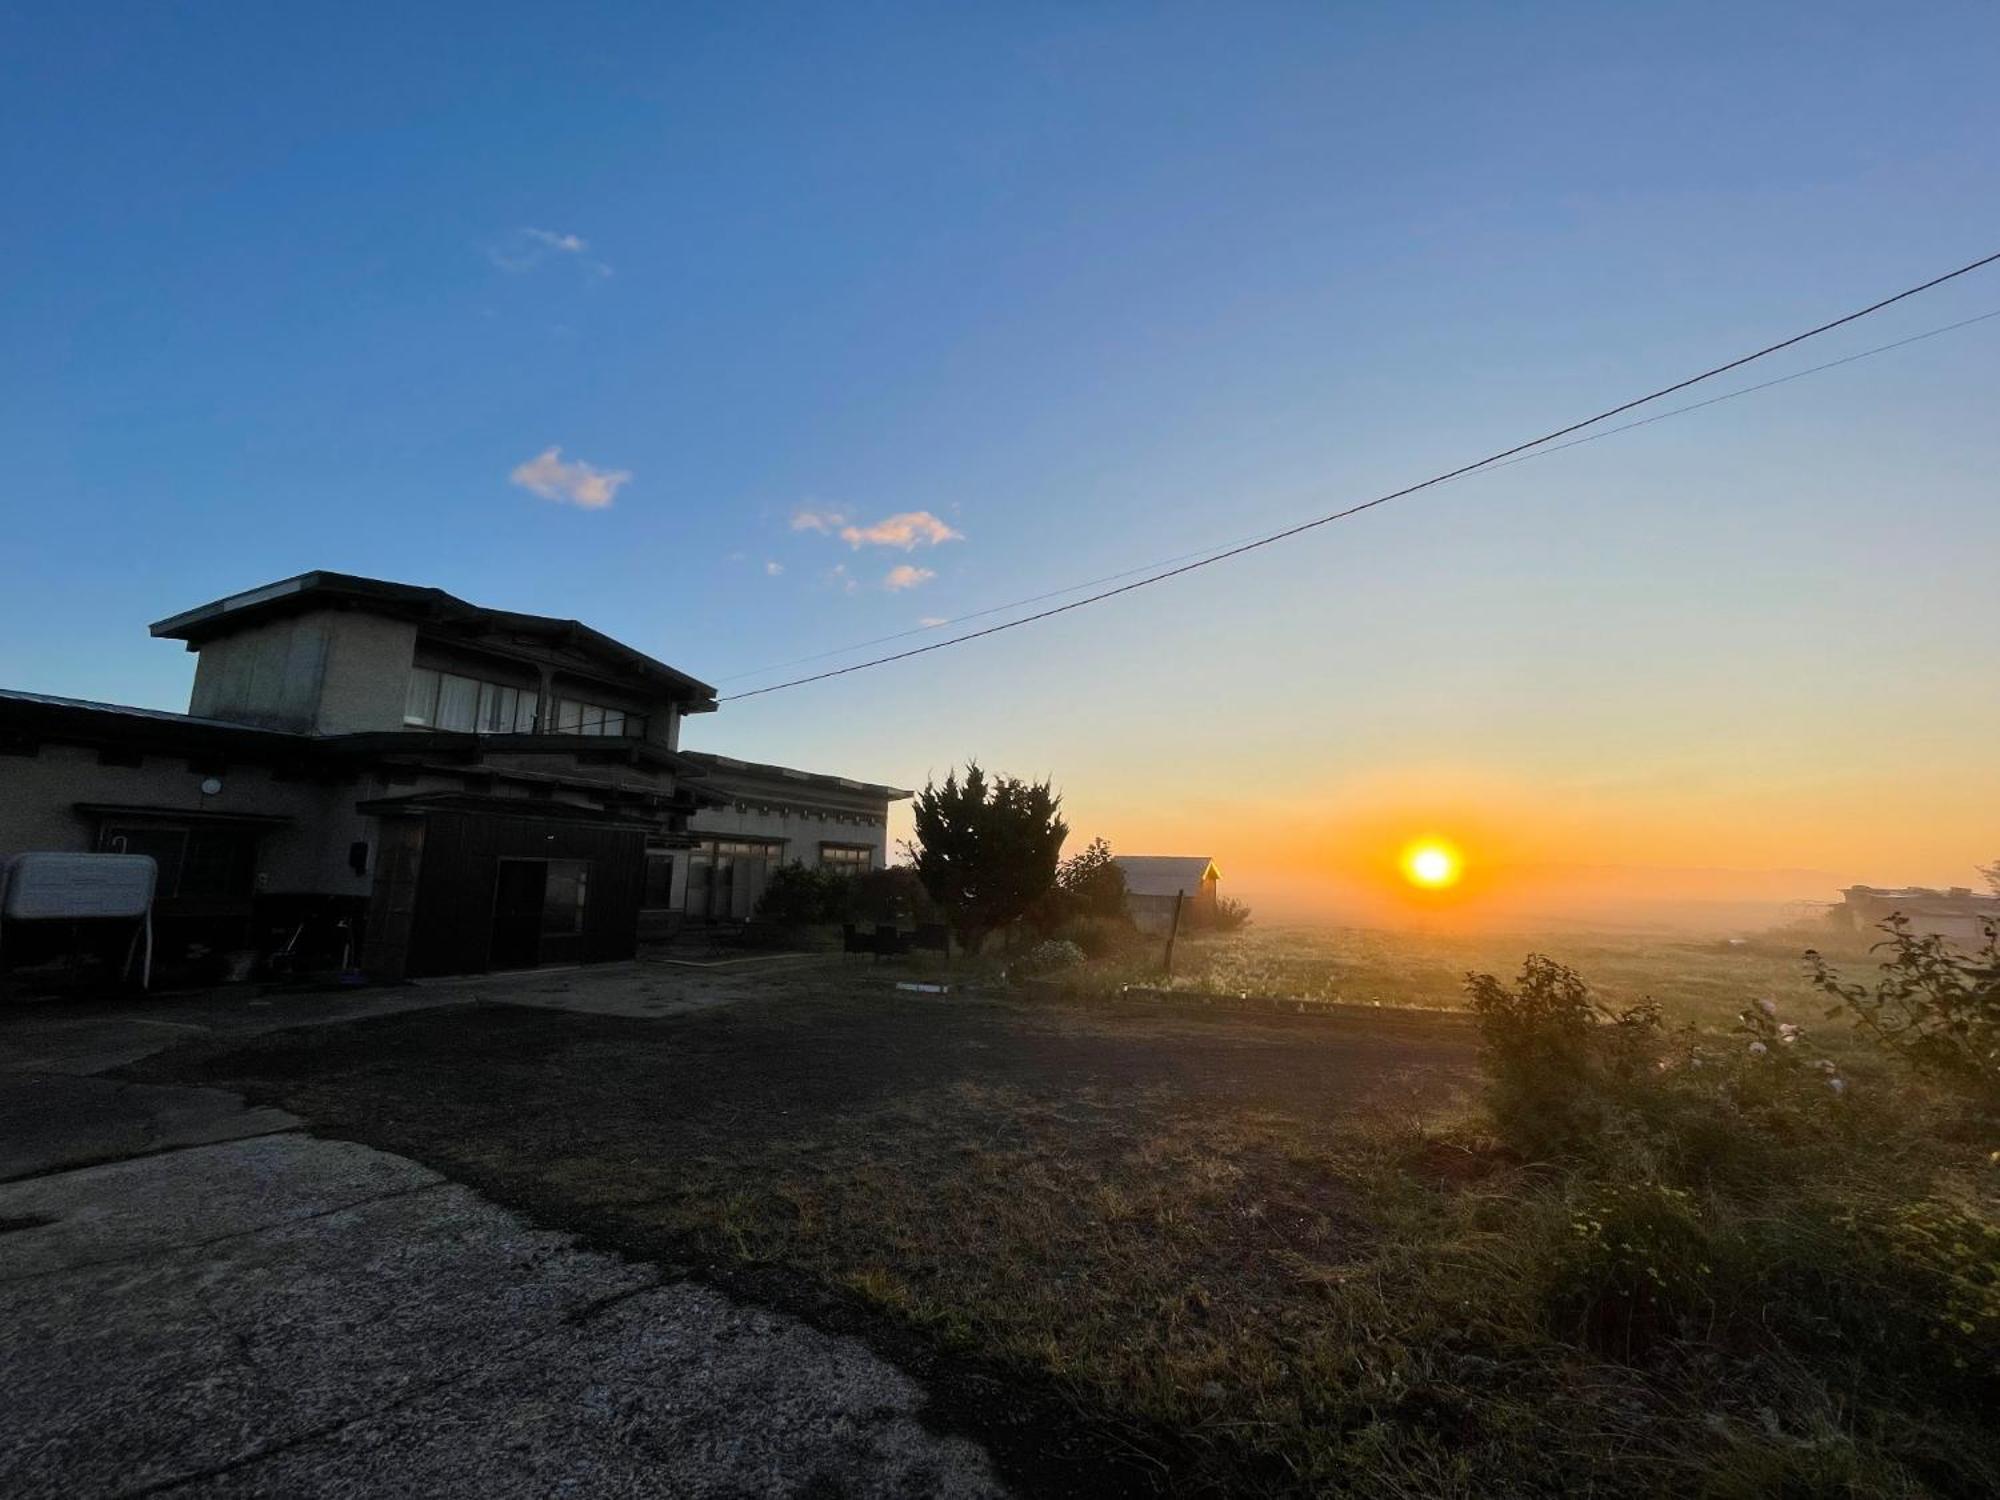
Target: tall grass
(1810, 1252)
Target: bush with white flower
(1056, 953)
(1775, 1044)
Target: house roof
(323, 590)
(707, 763)
(1165, 874)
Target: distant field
(1700, 980)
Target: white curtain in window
(458, 703)
(420, 702)
(498, 708)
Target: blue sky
(288, 287)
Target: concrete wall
(326, 672)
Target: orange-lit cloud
(908, 530)
(577, 483)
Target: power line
(1164, 562)
(978, 614)
(1748, 390)
(1492, 460)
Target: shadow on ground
(946, 1180)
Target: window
(574, 717)
(465, 705)
(848, 859)
(726, 877)
(209, 862)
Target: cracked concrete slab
(53, 1120)
(153, 1205)
(86, 1037)
(297, 1317)
(676, 1392)
(647, 989)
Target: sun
(1432, 864)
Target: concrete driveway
(198, 1298)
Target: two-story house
(436, 786)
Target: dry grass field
(1140, 1249)
(1702, 981)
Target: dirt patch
(1073, 1225)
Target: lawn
(1134, 1249)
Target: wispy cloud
(577, 483)
(903, 576)
(931, 622)
(907, 529)
(773, 569)
(525, 249)
(838, 574)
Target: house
(756, 817)
(427, 785)
(1154, 882)
(1956, 914)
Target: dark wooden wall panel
(453, 927)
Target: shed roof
(1165, 874)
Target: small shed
(1153, 881)
(1956, 914)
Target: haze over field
(743, 335)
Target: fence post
(1173, 931)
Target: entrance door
(517, 913)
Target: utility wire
(1165, 562)
(1748, 390)
(1492, 460)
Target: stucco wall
(803, 831)
(367, 674)
(308, 855)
